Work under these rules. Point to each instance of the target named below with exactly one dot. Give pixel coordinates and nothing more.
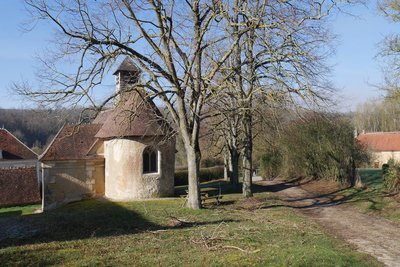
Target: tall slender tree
(281, 56)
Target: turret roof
(127, 66)
(136, 115)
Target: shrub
(391, 176)
(270, 164)
(385, 168)
(211, 162)
(321, 146)
(206, 174)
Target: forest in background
(36, 127)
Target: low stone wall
(18, 187)
(72, 180)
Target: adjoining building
(14, 153)
(126, 153)
(382, 145)
(19, 172)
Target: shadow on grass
(372, 179)
(225, 187)
(82, 220)
(11, 213)
(87, 219)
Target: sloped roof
(127, 66)
(135, 115)
(102, 116)
(13, 148)
(381, 141)
(72, 142)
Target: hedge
(206, 174)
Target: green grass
(372, 199)
(19, 210)
(161, 232)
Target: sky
(356, 71)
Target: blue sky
(355, 71)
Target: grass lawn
(19, 210)
(373, 199)
(162, 233)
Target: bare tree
(390, 50)
(281, 56)
(170, 41)
(274, 48)
(226, 130)
(378, 116)
(382, 115)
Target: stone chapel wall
(124, 177)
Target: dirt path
(377, 237)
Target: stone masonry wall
(72, 180)
(18, 187)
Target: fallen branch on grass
(243, 250)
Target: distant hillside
(36, 127)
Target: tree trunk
(226, 167)
(247, 155)
(247, 115)
(355, 179)
(193, 161)
(192, 142)
(234, 167)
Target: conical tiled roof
(135, 115)
(127, 66)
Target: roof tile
(381, 141)
(134, 116)
(12, 148)
(72, 142)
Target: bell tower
(126, 77)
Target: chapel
(126, 153)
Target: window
(150, 160)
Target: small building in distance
(19, 172)
(126, 153)
(382, 145)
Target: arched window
(150, 160)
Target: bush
(385, 168)
(321, 146)
(391, 176)
(206, 174)
(211, 162)
(270, 164)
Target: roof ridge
(13, 136)
(52, 141)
